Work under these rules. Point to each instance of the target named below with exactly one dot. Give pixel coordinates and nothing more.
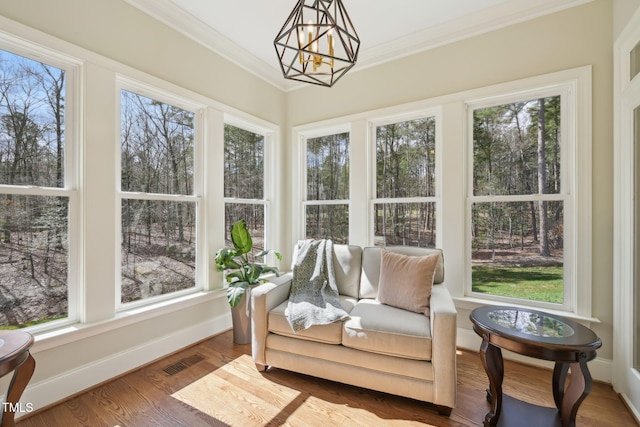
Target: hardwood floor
(215, 383)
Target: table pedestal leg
(579, 387)
(493, 365)
(21, 377)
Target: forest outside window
(404, 210)
(327, 188)
(244, 184)
(159, 208)
(519, 202)
(37, 193)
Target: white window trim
(73, 119)
(626, 93)
(198, 109)
(575, 87)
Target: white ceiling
(243, 30)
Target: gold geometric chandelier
(317, 44)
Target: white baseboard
(600, 369)
(41, 394)
(633, 409)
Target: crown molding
(483, 21)
(176, 18)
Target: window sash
(568, 148)
(197, 110)
(433, 113)
(73, 69)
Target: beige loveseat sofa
(379, 347)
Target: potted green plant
(242, 276)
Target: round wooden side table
(543, 336)
(15, 357)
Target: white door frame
(626, 379)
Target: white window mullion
(325, 202)
(157, 196)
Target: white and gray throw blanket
(313, 299)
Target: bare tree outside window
(34, 220)
(158, 207)
(405, 208)
(517, 215)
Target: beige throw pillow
(406, 281)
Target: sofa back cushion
(371, 257)
(347, 265)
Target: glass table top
(533, 327)
(531, 323)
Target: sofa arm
(443, 346)
(264, 298)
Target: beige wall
(623, 10)
(571, 38)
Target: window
(159, 202)
(38, 197)
(635, 61)
(405, 204)
(520, 204)
(244, 183)
(327, 188)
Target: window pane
(405, 159)
(635, 61)
(516, 148)
(328, 222)
(158, 248)
(157, 146)
(516, 252)
(34, 248)
(253, 216)
(328, 167)
(32, 127)
(243, 163)
(405, 224)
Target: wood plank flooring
(214, 383)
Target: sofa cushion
(406, 281)
(347, 265)
(380, 328)
(371, 266)
(330, 334)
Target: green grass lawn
(539, 283)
